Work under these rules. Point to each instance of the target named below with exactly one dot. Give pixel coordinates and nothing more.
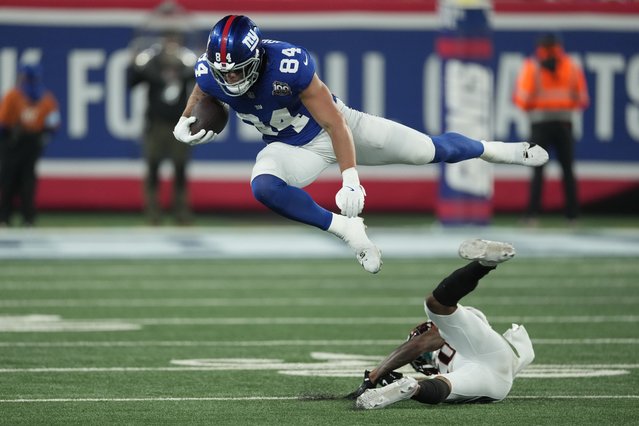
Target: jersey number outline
(280, 120)
(288, 65)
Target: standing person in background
(28, 116)
(551, 87)
(166, 66)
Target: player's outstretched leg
(485, 256)
(353, 231)
(451, 147)
(488, 253)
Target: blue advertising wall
(84, 66)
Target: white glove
(182, 132)
(350, 199)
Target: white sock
(498, 152)
(338, 225)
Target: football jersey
(446, 358)
(272, 104)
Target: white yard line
(61, 283)
(300, 301)
(56, 323)
(265, 398)
(280, 343)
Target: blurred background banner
(377, 57)
(465, 49)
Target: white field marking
(573, 397)
(147, 399)
(280, 343)
(165, 283)
(303, 301)
(370, 320)
(263, 398)
(329, 365)
(55, 324)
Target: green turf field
(271, 343)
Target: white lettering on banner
(431, 95)
(467, 109)
(632, 86)
(335, 74)
(473, 177)
(605, 66)
(81, 91)
(505, 112)
(577, 116)
(468, 98)
(9, 64)
(374, 84)
(603, 70)
(117, 122)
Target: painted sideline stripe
(270, 398)
(261, 343)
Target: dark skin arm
(408, 351)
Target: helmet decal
(251, 40)
(225, 39)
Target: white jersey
(479, 363)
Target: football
(211, 114)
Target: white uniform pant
(377, 141)
(484, 363)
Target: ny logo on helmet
(251, 40)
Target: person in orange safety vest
(29, 114)
(551, 87)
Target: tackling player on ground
(464, 359)
(273, 86)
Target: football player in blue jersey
(273, 86)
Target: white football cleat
(353, 232)
(488, 253)
(521, 153)
(397, 391)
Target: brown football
(211, 114)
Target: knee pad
(265, 188)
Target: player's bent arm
(196, 95)
(182, 130)
(407, 352)
(319, 102)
